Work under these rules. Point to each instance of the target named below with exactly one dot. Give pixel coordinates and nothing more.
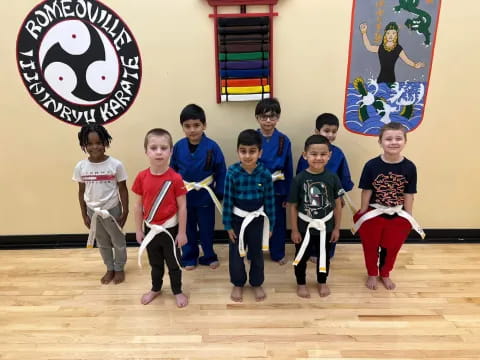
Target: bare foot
(388, 283)
(302, 291)
(181, 299)
(371, 283)
(323, 290)
(313, 259)
(259, 293)
(119, 277)
(148, 297)
(214, 265)
(282, 261)
(190, 267)
(107, 277)
(237, 294)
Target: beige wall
(39, 152)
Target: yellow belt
(278, 175)
(245, 89)
(348, 200)
(204, 184)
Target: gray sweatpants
(110, 240)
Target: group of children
(178, 194)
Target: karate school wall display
(243, 51)
(79, 61)
(390, 59)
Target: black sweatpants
(160, 251)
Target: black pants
(253, 243)
(160, 251)
(313, 249)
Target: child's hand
(296, 237)
(139, 235)
(86, 221)
(231, 235)
(181, 239)
(359, 214)
(122, 219)
(335, 235)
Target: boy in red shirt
(161, 203)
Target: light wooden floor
(52, 306)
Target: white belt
(104, 214)
(348, 200)
(318, 224)
(248, 217)
(154, 231)
(278, 175)
(380, 209)
(204, 184)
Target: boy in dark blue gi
(248, 214)
(327, 125)
(276, 157)
(201, 163)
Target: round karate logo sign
(79, 61)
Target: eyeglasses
(265, 117)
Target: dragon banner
(390, 59)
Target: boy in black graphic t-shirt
(315, 213)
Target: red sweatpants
(389, 234)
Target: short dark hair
(103, 134)
(316, 139)
(268, 105)
(157, 132)
(326, 119)
(392, 126)
(192, 112)
(249, 137)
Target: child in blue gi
(327, 125)
(201, 163)
(276, 157)
(248, 214)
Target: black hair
(103, 134)
(192, 112)
(392, 126)
(157, 132)
(249, 137)
(268, 105)
(316, 139)
(326, 119)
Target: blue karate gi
(206, 160)
(277, 155)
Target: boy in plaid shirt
(248, 214)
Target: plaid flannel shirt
(241, 186)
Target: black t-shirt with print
(315, 195)
(389, 182)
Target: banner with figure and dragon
(390, 59)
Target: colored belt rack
(243, 51)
